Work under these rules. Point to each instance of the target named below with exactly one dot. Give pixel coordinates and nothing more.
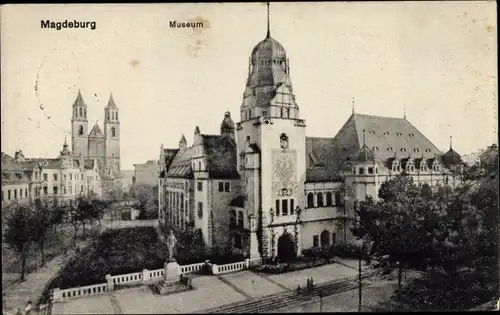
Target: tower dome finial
(268, 28)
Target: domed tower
(79, 127)
(112, 135)
(271, 144)
(227, 126)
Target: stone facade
(146, 173)
(288, 192)
(98, 144)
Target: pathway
(19, 293)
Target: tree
(18, 232)
(42, 222)
(147, 201)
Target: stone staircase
(291, 298)
(166, 288)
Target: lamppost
(271, 212)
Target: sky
(436, 59)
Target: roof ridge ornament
(353, 100)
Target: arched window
(199, 166)
(85, 112)
(329, 199)
(80, 130)
(240, 219)
(310, 200)
(337, 198)
(113, 132)
(320, 199)
(81, 113)
(325, 238)
(116, 115)
(288, 113)
(107, 115)
(76, 112)
(182, 201)
(232, 218)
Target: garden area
(131, 250)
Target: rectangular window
(200, 186)
(55, 177)
(361, 170)
(334, 238)
(26, 193)
(45, 177)
(64, 190)
(315, 241)
(64, 177)
(70, 176)
(221, 187)
(277, 208)
(45, 190)
(226, 186)
(200, 210)
(70, 189)
(81, 188)
(8, 194)
(55, 190)
(15, 193)
(284, 206)
(292, 209)
(370, 170)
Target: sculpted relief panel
(284, 172)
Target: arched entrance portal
(286, 248)
(325, 238)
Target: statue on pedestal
(171, 242)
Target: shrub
(345, 250)
(126, 215)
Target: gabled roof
(221, 154)
(96, 132)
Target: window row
(112, 115)
(285, 207)
(323, 200)
(175, 200)
(224, 186)
(370, 170)
(15, 194)
(82, 111)
(325, 239)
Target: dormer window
(386, 133)
(399, 133)
(372, 132)
(416, 150)
(403, 150)
(427, 150)
(412, 135)
(389, 149)
(375, 148)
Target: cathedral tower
(79, 127)
(112, 136)
(271, 145)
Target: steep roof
(385, 138)
(221, 155)
(111, 102)
(181, 164)
(323, 164)
(79, 100)
(47, 163)
(96, 132)
(451, 157)
(169, 155)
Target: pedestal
(254, 246)
(172, 271)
